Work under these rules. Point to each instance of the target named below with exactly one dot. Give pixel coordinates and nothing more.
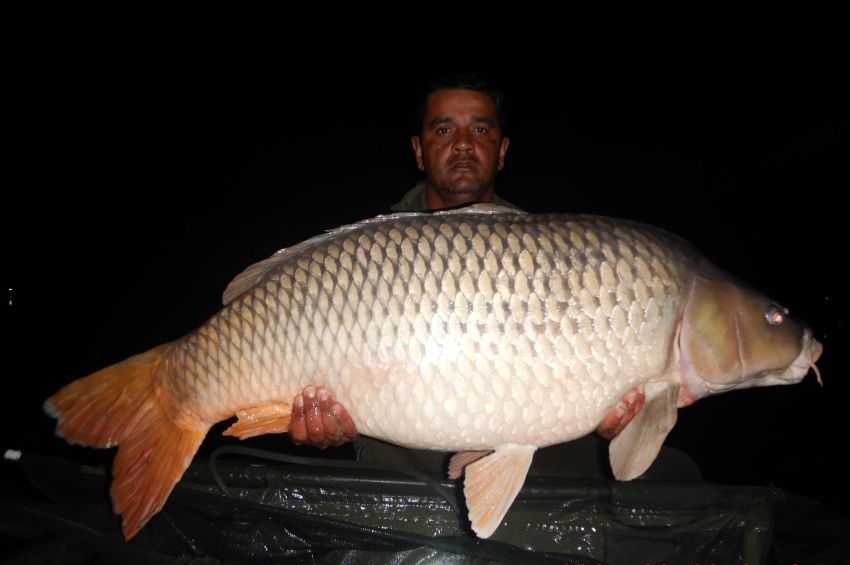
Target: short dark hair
(463, 81)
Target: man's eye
(480, 130)
(442, 131)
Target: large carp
(482, 330)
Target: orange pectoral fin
(634, 449)
(259, 420)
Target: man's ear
(502, 150)
(417, 151)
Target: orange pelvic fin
(123, 405)
(492, 483)
(259, 420)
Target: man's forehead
(456, 102)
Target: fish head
(733, 337)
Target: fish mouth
(810, 352)
(815, 349)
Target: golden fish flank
(473, 331)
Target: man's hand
(320, 421)
(622, 414)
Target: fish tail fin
(123, 405)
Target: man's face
(461, 147)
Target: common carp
(480, 330)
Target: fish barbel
(479, 330)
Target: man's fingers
(318, 420)
(336, 421)
(316, 433)
(348, 431)
(297, 422)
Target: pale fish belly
(533, 390)
(455, 331)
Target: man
(460, 145)
(459, 142)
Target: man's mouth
(462, 165)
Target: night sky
(154, 156)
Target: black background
(152, 156)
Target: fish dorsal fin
(636, 447)
(251, 276)
(492, 483)
(248, 278)
(481, 208)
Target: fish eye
(775, 315)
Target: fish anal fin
(492, 483)
(259, 420)
(634, 449)
(461, 459)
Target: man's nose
(463, 141)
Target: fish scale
(435, 332)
